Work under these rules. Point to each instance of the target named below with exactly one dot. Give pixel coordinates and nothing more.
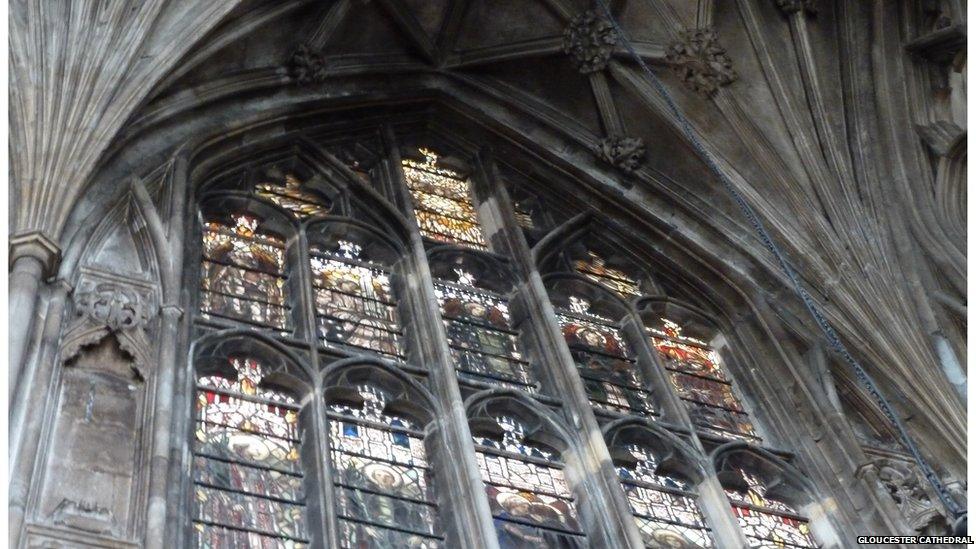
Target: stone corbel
(39, 246)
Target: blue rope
(828, 331)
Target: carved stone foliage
(306, 66)
(793, 6)
(701, 62)
(107, 304)
(589, 41)
(626, 153)
(909, 490)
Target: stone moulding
(589, 40)
(700, 61)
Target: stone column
(33, 257)
(471, 515)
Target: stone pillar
(33, 257)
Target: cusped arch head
(782, 482)
(404, 396)
(488, 271)
(540, 425)
(692, 321)
(212, 355)
(674, 457)
(601, 301)
(371, 245)
(225, 207)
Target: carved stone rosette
(701, 62)
(589, 41)
(793, 6)
(306, 66)
(107, 304)
(626, 153)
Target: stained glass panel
(483, 345)
(354, 302)
(243, 274)
(666, 512)
(442, 202)
(246, 466)
(595, 268)
(290, 196)
(610, 377)
(382, 478)
(697, 375)
(529, 499)
(768, 522)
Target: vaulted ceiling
(810, 107)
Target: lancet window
(664, 506)
(442, 202)
(355, 306)
(594, 267)
(287, 191)
(483, 344)
(247, 474)
(697, 375)
(382, 476)
(529, 497)
(603, 359)
(767, 521)
(243, 272)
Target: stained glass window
(243, 274)
(696, 372)
(603, 360)
(595, 268)
(442, 202)
(527, 491)
(354, 303)
(664, 507)
(483, 344)
(289, 195)
(382, 478)
(768, 522)
(247, 474)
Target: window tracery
(248, 477)
(767, 521)
(478, 324)
(442, 203)
(697, 374)
(243, 273)
(354, 302)
(529, 497)
(382, 476)
(603, 359)
(665, 507)
(290, 195)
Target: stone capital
(37, 245)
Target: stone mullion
(327, 515)
(598, 488)
(672, 410)
(461, 491)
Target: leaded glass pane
(596, 269)
(768, 522)
(354, 302)
(381, 476)
(242, 274)
(610, 377)
(482, 343)
(529, 499)
(289, 195)
(666, 512)
(246, 464)
(697, 375)
(442, 203)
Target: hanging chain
(828, 331)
